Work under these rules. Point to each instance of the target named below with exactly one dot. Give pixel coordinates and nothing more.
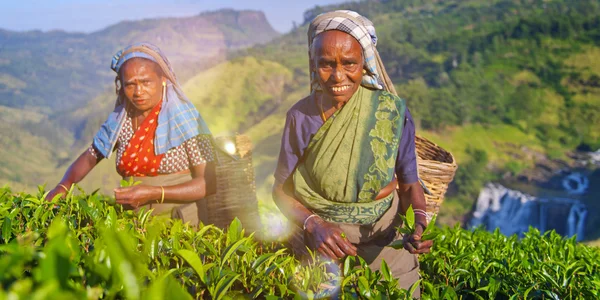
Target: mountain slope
(486, 76)
(501, 84)
(40, 67)
(233, 103)
(64, 80)
(228, 104)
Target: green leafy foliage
(84, 247)
(408, 228)
(129, 182)
(81, 247)
(486, 265)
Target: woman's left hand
(413, 242)
(135, 196)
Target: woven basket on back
(436, 168)
(236, 190)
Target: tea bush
(483, 265)
(85, 247)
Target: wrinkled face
(142, 83)
(338, 61)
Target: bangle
(306, 220)
(420, 212)
(162, 194)
(64, 187)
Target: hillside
(508, 83)
(29, 141)
(520, 71)
(38, 68)
(228, 104)
(56, 88)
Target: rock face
(512, 212)
(576, 183)
(595, 157)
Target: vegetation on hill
(57, 71)
(479, 76)
(234, 103)
(64, 80)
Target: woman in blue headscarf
(158, 136)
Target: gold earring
(364, 71)
(164, 83)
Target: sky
(92, 15)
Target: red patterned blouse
(195, 151)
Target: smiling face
(142, 83)
(338, 61)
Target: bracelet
(162, 194)
(420, 212)
(64, 187)
(306, 220)
(422, 224)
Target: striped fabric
(178, 119)
(119, 59)
(361, 28)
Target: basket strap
(425, 189)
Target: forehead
(336, 42)
(139, 66)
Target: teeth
(340, 89)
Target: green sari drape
(351, 158)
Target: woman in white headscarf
(345, 149)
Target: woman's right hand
(58, 190)
(328, 239)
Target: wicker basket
(236, 190)
(436, 168)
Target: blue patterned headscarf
(178, 119)
(363, 30)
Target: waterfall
(512, 212)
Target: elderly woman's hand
(136, 196)
(58, 190)
(413, 242)
(328, 239)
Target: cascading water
(512, 212)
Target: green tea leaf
(429, 236)
(224, 284)
(348, 265)
(166, 288)
(234, 232)
(414, 287)
(363, 287)
(431, 225)
(410, 218)
(6, 229)
(230, 250)
(398, 244)
(194, 261)
(385, 271)
(449, 293)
